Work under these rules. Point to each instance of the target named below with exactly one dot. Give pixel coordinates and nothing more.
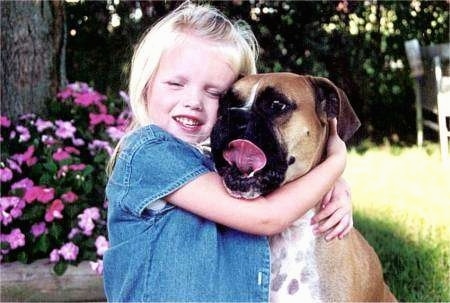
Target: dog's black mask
(255, 124)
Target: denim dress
(159, 252)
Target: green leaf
(22, 257)
(34, 213)
(60, 268)
(45, 179)
(51, 166)
(99, 158)
(4, 245)
(43, 244)
(87, 187)
(56, 231)
(88, 170)
(36, 170)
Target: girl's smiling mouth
(188, 122)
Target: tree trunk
(32, 55)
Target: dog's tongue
(248, 157)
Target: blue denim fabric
(159, 252)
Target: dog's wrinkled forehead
(291, 86)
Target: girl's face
(183, 95)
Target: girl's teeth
(187, 121)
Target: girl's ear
(332, 102)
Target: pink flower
(69, 251)
(124, 96)
(98, 145)
(77, 167)
(88, 98)
(29, 116)
(92, 212)
(69, 197)
(4, 121)
(73, 88)
(24, 133)
(42, 125)
(54, 211)
(65, 129)
(115, 133)
(97, 267)
(48, 140)
(13, 202)
(86, 220)
(16, 211)
(62, 171)
(101, 244)
(95, 119)
(16, 238)
(5, 174)
(124, 118)
(73, 232)
(77, 141)
(24, 183)
(38, 229)
(60, 155)
(10, 208)
(54, 256)
(72, 150)
(26, 157)
(65, 94)
(14, 166)
(39, 193)
(101, 108)
(5, 217)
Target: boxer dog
(272, 129)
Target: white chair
(430, 68)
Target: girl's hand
(335, 217)
(335, 145)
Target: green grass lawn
(401, 199)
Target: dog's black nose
(239, 118)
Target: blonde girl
(175, 234)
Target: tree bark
(32, 55)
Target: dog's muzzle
(245, 154)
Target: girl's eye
(173, 83)
(215, 94)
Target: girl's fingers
(333, 126)
(333, 220)
(324, 213)
(339, 230)
(327, 198)
(347, 229)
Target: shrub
(52, 174)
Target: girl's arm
(207, 197)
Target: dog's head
(273, 128)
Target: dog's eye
(278, 106)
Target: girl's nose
(193, 100)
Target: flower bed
(52, 174)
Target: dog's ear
(332, 102)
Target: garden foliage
(52, 175)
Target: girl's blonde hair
(235, 41)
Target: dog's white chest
(294, 276)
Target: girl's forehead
(185, 44)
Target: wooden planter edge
(37, 282)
